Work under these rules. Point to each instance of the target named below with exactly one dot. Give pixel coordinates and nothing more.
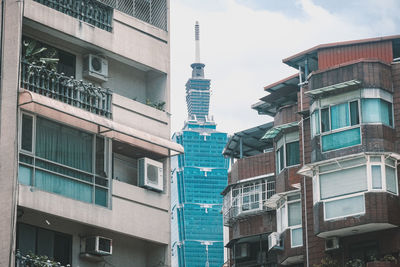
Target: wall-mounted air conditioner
(242, 250)
(332, 243)
(150, 173)
(95, 68)
(274, 241)
(97, 245)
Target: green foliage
(389, 258)
(354, 263)
(327, 262)
(158, 105)
(39, 55)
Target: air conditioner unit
(332, 243)
(95, 68)
(242, 250)
(150, 173)
(97, 245)
(274, 241)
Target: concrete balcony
(287, 254)
(380, 212)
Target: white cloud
(243, 50)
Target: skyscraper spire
(197, 42)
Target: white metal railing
(150, 11)
(246, 198)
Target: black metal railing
(90, 11)
(66, 89)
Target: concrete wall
(127, 250)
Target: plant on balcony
(355, 263)
(32, 260)
(158, 105)
(389, 258)
(327, 262)
(39, 55)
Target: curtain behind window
(64, 145)
(340, 116)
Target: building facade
(85, 132)
(198, 177)
(334, 153)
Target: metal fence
(66, 89)
(90, 11)
(150, 11)
(246, 199)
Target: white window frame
(285, 139)
(368, 164)
(282, 218)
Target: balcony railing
(66, 89)
(90, 11)
(246, 199)
(153, 12)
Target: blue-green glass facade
(199, 176)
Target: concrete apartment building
(85, 162)
(332, 153)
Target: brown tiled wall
(254, 225)
(252, 166)
(371, 73)
(396, 101)
(379, 208)
(286, 114)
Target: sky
(243, 42)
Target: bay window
(289, 216)
(287, 151)
(338, 123)
(64, 160)
(341, 185)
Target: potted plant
(386, 261)
(327, 262)
(355, 263)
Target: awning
(272, 202)
(88, 121)
(271, 133)
(332, 87)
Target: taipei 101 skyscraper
(198, 178)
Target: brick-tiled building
(331, 154)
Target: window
(382, 111)
(341, 185)
(43, 242)
(287, 152)
(338, 124)
(289, 216)
(63, 160)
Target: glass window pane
(370, 110)
(279, 159)
(101, 196)
(45, 243)
(354, 116)
(344, 207)
(63, 144)
(386, 112)
(297, 237)
(343, 182)
(340, 116)
(315, 123)
(375, 159)
(391, 180)
(100, 170)
(292, 153)
(26, 238)
(325, 126)
(24, 175)
(26, 134)
(341, 139)
(376, 177)
(294, 213)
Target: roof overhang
(272, 202)
(273, 132)
(90, 122)
(331, 88)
